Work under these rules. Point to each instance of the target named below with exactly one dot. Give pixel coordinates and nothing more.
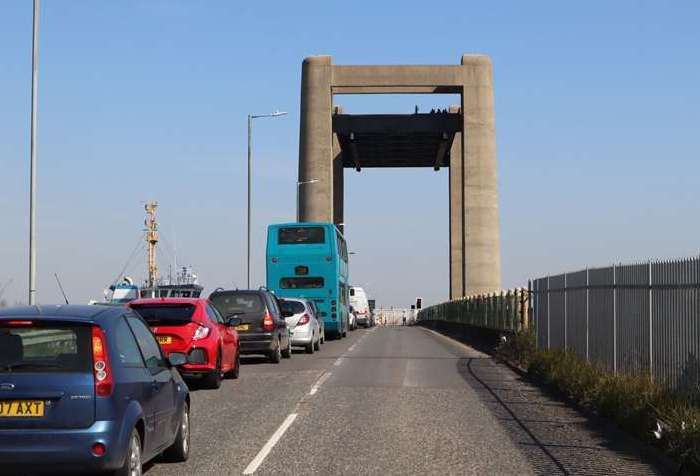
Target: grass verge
(668, 421)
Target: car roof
(169, 300)
(247, 291)
(87, 313)
(298, 299)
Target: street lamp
(250, 170)
(299, 184)
(32, 156)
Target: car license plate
(21, 408)
(164, 340)
(242, 327)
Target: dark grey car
(263, 329)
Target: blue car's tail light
(102, 371)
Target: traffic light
(419, 303)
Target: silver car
(305, 329)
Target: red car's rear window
(165, 314)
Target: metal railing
(633, 318)
(505, 310)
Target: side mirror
(233, 321)
(177, 358)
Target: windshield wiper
(20, 365)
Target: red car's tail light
(201, 333)
(304, 320)
(102, 371)
(268, 322)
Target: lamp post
(32, 156)
(299, 184)
(250, 171)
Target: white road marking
(338, 361)
(262, 454)
(319, 382)
(352, 347)
(411, 377)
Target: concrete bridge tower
(462, 139)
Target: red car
(194, 327)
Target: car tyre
(213, 379)
(317, 345)
(287, 353)
(311, 346)
(133, 465)
(236, 371)
(179, 451)
(276, 355)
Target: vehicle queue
(105, 389)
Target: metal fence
(505, 310)
(626, 318)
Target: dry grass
(634, 402)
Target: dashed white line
(319, 382)
(338, 361)
(262, 454)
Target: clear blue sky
(597, 116)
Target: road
(395, 400)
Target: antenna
(61, 288)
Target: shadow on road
(555, 437)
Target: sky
(597, 128)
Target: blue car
(87, 389)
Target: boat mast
(152, 241)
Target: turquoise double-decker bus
(310, 260)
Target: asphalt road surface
(395, 400)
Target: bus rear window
(301, 283)
(302, 235)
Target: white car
(360, 306)
(304, 328)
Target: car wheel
(311, 346)
(287, 353)
(132, 463)
(179, 451)
(323, 336)
(236, 371)
(317, 345)
(213, 379)
(276, 355)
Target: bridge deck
(396, 140)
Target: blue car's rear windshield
(30, 346)
(165, 314)
(302, 235)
